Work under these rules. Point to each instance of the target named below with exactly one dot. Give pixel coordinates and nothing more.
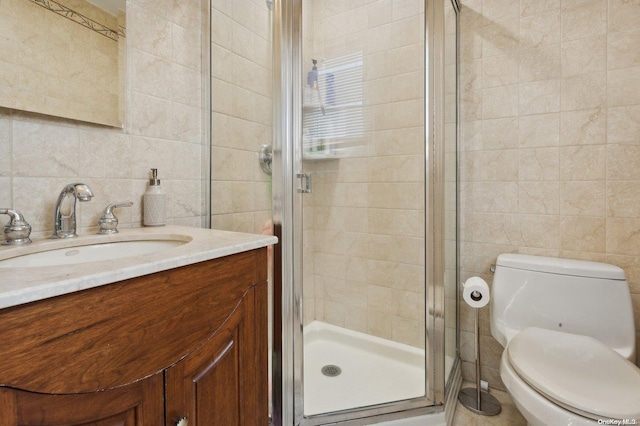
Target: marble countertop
(19, 285)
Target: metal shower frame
(287, 393)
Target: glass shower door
(363, 180)
(362, 148)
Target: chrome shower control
(266, 158)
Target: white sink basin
(89, 253)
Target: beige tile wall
(550, 108)
(242, 114)
(41, 154)
(364, 221)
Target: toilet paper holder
(476, 295)
(477, 400)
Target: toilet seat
(577, 372)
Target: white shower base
(374, 370)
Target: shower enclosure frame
(287, 386)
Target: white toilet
(568, 331)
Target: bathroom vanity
(155, 339)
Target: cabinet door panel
(221, 388)
(218, 385)
(135, 405)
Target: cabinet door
(138, 404)
(224, 382)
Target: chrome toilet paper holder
(477, 400)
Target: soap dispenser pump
(154, 203)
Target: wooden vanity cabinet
(188, 342)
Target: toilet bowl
(569, 337)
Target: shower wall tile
(538, 97)
(399, 274)
(535, 7)
(379, 13)
(500, 38)
(539, 130)
(393, 222)
(540, 29)
(397, 142)
(507, 106)
(624, 15)
(584, 162)
(539, 63)
(583, 91)
(565, 158)
(491, 165)
(395, 195)
(380, 324)
(587, 126)
(622, 49)
(623, 124)
(502, 133)
(623, 161)
(584, 56)
(619, 84)
(501, 10)
(408, 331)
(368, 218)
(471, 105)
(583, 19)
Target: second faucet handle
(108, 222)
(17, 230)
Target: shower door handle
(305, 183)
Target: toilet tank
(574, 296)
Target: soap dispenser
(154, 203)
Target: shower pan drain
(331, 370)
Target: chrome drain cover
(331, 370)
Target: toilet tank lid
(555, 265)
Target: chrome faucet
(17, 230)
(64, 225)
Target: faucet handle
(17, 230)
(108, 222)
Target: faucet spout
(64, 225)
